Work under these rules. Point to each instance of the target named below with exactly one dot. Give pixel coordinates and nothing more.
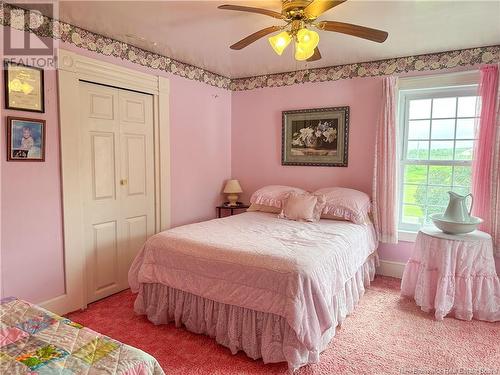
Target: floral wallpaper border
(47, 27)
(433, 61)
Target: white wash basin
(453, 227)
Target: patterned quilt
(37, 342)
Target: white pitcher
(457, 208)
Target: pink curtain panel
(485, 179)
(495, 191)
(385, 175)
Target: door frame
(73, 68)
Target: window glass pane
(443, 129)
(462, 176)
(418, 129)
(416, 174)
(413, 214)
(441, 150)
(467, 106)
(438, 195)
(439, 131)
(444, 107)
(414, 194)
(434, 210)
(463, 150)
(440, 175)
(465, 128)
(420, 195)
(462, 191)
(420, 109)
(418, 150)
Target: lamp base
(233, 199)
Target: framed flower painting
(316, 137)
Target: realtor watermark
(449, 371)
(28, 40)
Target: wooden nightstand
(224, 206)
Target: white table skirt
(453, 274)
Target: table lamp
(232, 189)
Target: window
(436, 154)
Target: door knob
(123, 182)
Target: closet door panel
(117, 165)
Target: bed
(274, 288)
(37, 342)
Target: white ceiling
(198, 33)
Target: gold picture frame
(24, 87)
(315, 137)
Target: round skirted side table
(453, 274)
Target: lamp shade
(280, 42)
(307, 41)
(232, 187)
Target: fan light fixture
(280, 42)
(305, 42)
(299, 16)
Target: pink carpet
(384, 335)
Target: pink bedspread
(257, 261)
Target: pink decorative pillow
(303, 207)
(273, 195)
(348, 204)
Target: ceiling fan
(299, 16)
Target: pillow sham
(263, 208)
(348, 204)
(273, 195)
(303, 207)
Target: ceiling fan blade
(265, 12)
(354, 30)
(316, 56)
(318, 7)
(255, 36)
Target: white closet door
(137, 176)
(117, 165)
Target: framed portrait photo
(315, 137)
(25, 139)
(24, 87)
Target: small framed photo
(25, 139)
(24, 87)
(315, 137)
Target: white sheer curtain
(385, 176)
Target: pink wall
(256, 136)
(200, 149)
(31, 213)
(256, 139)
(32, 241)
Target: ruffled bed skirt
(258, 334)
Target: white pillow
(348, 204)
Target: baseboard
(392, 269)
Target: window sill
(407, 236)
